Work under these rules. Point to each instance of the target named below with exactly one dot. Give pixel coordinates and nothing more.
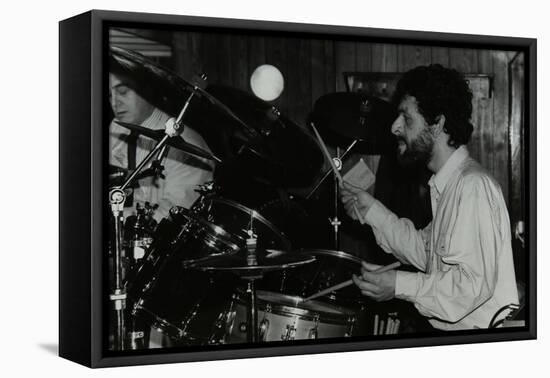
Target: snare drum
(282, 317)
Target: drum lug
(351, 322)
(290, 333)
(264, 327)
(283, 281)
(222, 328)
(136, 340)
(224, 325)
(313, 332)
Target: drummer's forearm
(397, 236)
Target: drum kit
(221, 272)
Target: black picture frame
(82, 60)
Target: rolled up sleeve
(398, 236)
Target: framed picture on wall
(233, 188)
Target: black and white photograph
(274, 189)
(271, 188)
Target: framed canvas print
(233, 188)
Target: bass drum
(182, 308)
(165, 297)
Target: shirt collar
(440, 179)
(156, 120)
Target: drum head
(184, 304)
(329, 268)
(201, 240)
(295, 302)
(238, 220)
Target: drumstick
(349, 282)
(335, 169)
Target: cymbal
(177, 141)
(266, 261)
(279, 151)
(164, 86)
(342, 117)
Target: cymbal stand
(335, 222)
(252, 260)
(329, 171)
(252, 316)
(117, 197)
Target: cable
(511, 306)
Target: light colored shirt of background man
(182, 171)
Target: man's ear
(439, 124)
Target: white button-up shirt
(182, 171)
(464, 255)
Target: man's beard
(418, 152)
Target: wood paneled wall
(314, 67)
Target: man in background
(131, 102)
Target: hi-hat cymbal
(266, 261)
(346, 116)
(177, 141)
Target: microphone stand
(117, 197)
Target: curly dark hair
(144, 83)
(440, 91)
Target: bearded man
(464, 256)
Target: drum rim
(167, 327)
(261, 268)
(331, 253)
(232, 243)
(159, 323)
(341, 316)
(346, 300)
(256, 215)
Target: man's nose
(397, 126)
(113, 100)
